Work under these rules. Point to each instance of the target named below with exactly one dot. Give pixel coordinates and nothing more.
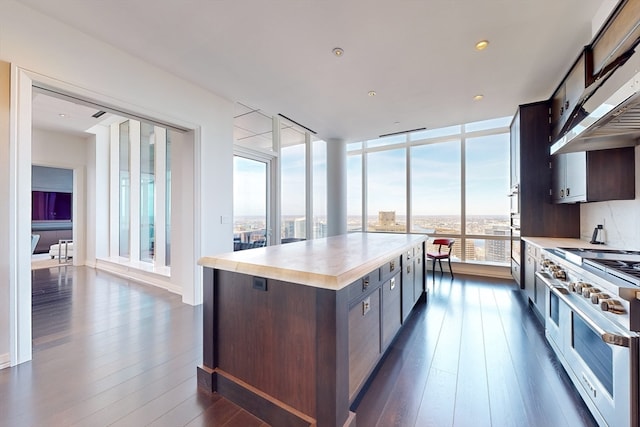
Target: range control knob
(572, 286)
(612, 306)
(580, 286)
(560, 274)
(599, 297)
(587, 292)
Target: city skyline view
(454, 181)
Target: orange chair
(440, 255)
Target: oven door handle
(607, 337)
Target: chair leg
(450, 270)
(433, 272)
(440, 264)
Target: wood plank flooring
(473, 356)
(112, 352)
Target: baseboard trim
(5, 361)
(256, 402)
(128, 271)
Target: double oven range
(592, 322)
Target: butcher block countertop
(563, 242)
(330, 263)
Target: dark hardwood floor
(473, 356)
(112, 352)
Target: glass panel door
(250, 207)
(147, 192)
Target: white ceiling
(418, 55)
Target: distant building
(497, 250)
(300, 228)
(387, 222)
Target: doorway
(52, 202)
(250, 202)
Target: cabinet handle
(562, 193)
(408, 269)
(392, 265)
(366, 306)
(567, 191)
(365, 283)
(393, 283)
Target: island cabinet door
(391, 310)
(408, 278)
(364, 340)
(418, 279)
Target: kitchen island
(292, 332)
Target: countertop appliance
(592, 322)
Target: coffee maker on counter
(598, 235)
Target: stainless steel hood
(609, 113)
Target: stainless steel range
(592, 321)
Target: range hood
(608, 114)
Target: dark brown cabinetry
(594, 176)
(391, 317)
(412, 279)
(566, 97)
(298, 354)
(364, 339)
(535, 212)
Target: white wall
(620, 218)
(61, 57)
(5, 249)
(57, 149)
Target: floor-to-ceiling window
(293, 188)
(485, 182)
(354, 187)
(250, 202)
(386, 197)
(295, 178)
(319, 193)
(450, 182)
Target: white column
(134, 207)
(336, 187)
(160, 188)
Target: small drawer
(363, 285)
(390, 268)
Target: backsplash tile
(621, 222)
(621, 218)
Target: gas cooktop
(620, 264)
(602, 253)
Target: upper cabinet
(594, 176)
(595, 105)
(569, 177)
(566, 97)
(618, 35)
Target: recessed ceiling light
(372, 93)
(63, 115)
(478, 97)
(482, 44)
(337, 51)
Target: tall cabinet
(533, 213)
